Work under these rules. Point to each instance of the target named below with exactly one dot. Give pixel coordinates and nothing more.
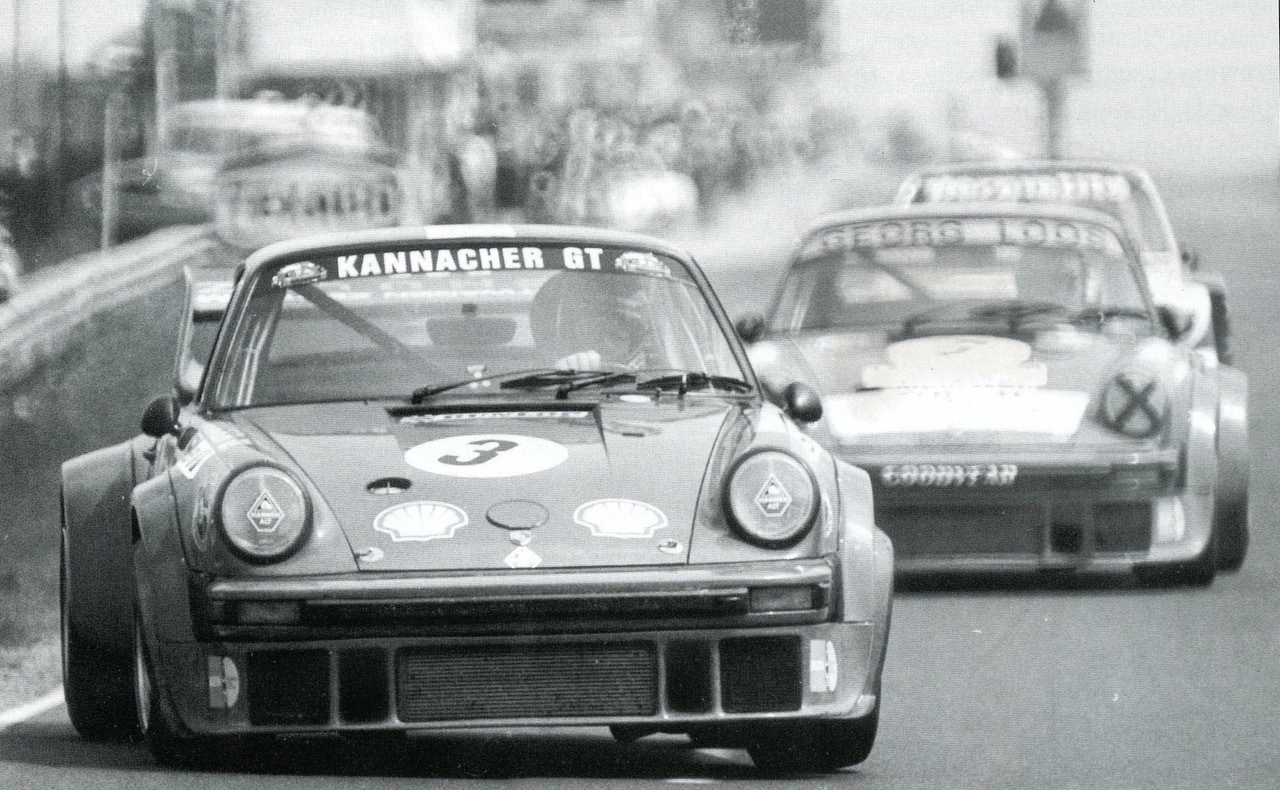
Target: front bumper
(1109, 515)
(668, 648)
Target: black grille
(760, 674)
(527, 681)
(288, 687)
(363, 686)
(958, 529)
(1122, 526)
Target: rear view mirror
(802, 404)
(161, 416)
(750, 327)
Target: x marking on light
(1139, 400)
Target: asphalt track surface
(1026, 685)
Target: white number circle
(486, 455)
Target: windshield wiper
(1101, 314)
(694, 379)
(1015, 310)
(422, 393)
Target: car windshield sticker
(1066, 186)
(462, 260)
(420, 521)
(486, 455)
(265, 514)
(964, 232)
(620, 518)
(948, 475)
(523, 557)
(429, 419)
(915, 411)
(773, 499)
(642, 263)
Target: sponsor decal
(190, 460)
(1134, 404)
(265, 513)
(824, 671)
(523, 557)
(642, 263)
(977, 231)
(420, 521)
(520, 537)
(382, 261)
(973, 360)
(202, 519)
(433, 419)
(1066, 186)
(620, 518)
(486, 455)
(948, 475)
(299, 273)
(773, 498)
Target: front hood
(609, 484)
(971, 389)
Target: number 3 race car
(389, 506)
(1001, 372)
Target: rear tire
(97, 683)
(818, 746)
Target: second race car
(1003, 374)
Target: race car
(1001, 372)
(474, 476)
(1195, 295)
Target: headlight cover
(265, 514)
(771, 498)
(1134, 403)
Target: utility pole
(1054, 45)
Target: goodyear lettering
(948, 475)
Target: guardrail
(40, 321)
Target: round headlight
(1134, 403)
(771, 498)
(265, 514)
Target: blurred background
(652, 115)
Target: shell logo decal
(420, 521)
(620, 518)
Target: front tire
(818, 746)
(97, 683)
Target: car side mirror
(1190, 257)
(750, 327)
(161, 416)
(1174, 324)
(802, 404)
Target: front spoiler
(849, 688)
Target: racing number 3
(480, 455)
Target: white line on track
(31, 709)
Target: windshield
(1125, 199)
(978, 272)
(385, 323)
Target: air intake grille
(527, 681)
